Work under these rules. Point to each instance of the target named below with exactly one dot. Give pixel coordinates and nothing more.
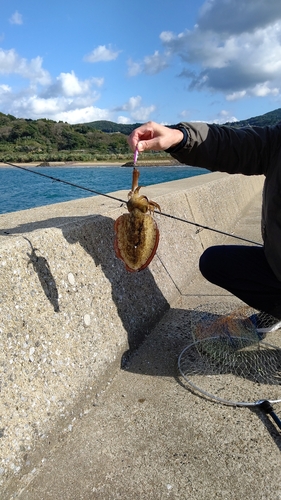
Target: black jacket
(248, 151)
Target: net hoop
(197, 389)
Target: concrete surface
(144, 435)
(148, 437)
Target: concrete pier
(71, 315)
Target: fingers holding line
(153, 136)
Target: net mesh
(227, 361)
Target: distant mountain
(270, 118)
(111, 127)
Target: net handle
(266, 407)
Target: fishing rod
(72, 184)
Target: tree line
(44, 140)
(26, 140)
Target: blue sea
(20, 190)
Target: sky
(128, 61)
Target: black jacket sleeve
(247, 150)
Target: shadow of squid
(47, 281)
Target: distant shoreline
(63, 164)
(140, 163)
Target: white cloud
(263, 90)
(123, 119)
(235, 96)
(70, 85)
(235, 48)
(16, 18)
(142, 114)
(155, 63)
(40, 107)
(134, 68)
(12, 63)
(260, 90)
(184, 114)
(83, 115)
(65, 98)
(224, 116)
(70, 92)
(102, 53)
(151, 65)
(98, 81)
(132, 104)
(136, 111)
(5, 89)
(166, 36)
(55, 108)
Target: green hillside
(25, 140)
(43, 140)
(270, 118)
(111, 127)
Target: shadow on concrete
(136, 295)
(139, 301)
(272, 429)
(158, 357)
(42, 269)
(54, 222)
(162, 350)
(171, 335)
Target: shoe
(265, 323)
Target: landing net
(227, 361)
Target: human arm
(247, 150)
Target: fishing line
(64, 182)
(56, 179)
(208, 228)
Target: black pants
(243, 271)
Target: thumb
(149, 145)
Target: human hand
(154, 136)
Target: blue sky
(127, 61)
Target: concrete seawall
(70, 310)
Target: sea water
(20, 189)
